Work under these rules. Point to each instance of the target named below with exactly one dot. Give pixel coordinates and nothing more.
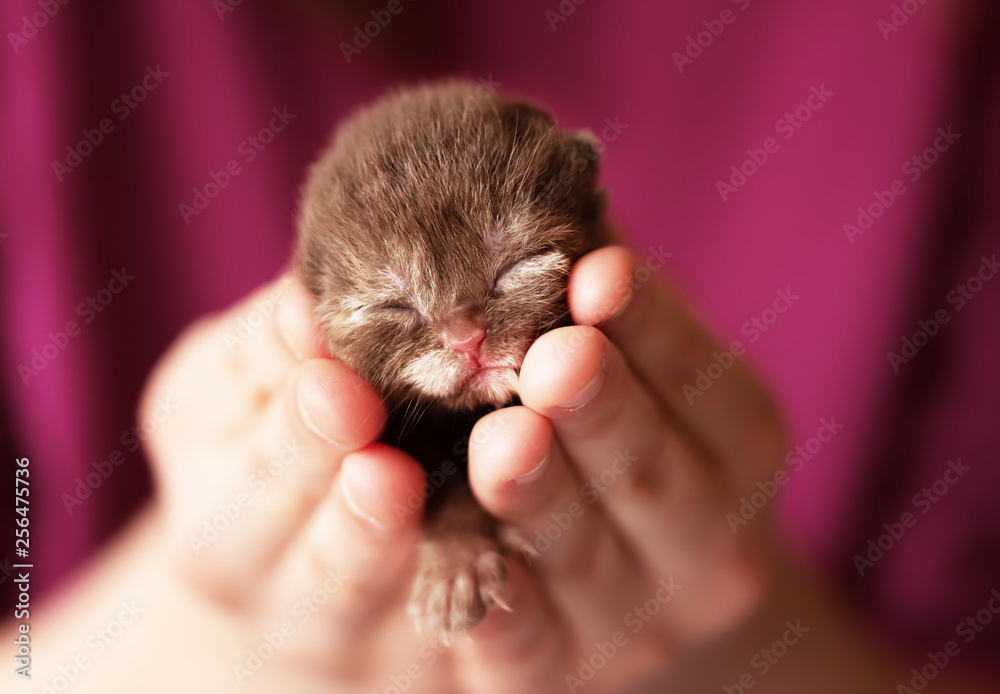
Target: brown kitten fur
(437, 232)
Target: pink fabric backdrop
(884, 98)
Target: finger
(215, 380)
(366, 531)
(257, 353)
(296, 322)
(601, 285)
(647, 475)
(666, 346)
(520, 475)
(518, 651)
(323, 412)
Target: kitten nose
(464, 334)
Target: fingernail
(284, 335)
(280, 298)
(311, 425)
(355, 509)
(534, 473)
(620, 308)
(588, 392)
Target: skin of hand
(621, 487)
(280, 548)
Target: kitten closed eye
(437, 234)
(400, 309)
(395, 307)
(533, 268)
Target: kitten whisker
(553, 323)
(418, 415)
(409, 417)
(432, 212)
(381, 402)
(416, 408)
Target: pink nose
(464, 335)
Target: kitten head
(437, 233)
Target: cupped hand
(619, 482)
(282, 514)
(281, 510)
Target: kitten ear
(587, 149)
(587, 145)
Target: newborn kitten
(437, 232)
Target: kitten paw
(458, 580)
(514, 541)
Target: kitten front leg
(463, 567)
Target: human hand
(274, 578)
(627, 513)
(292, 540)
(277, 506)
